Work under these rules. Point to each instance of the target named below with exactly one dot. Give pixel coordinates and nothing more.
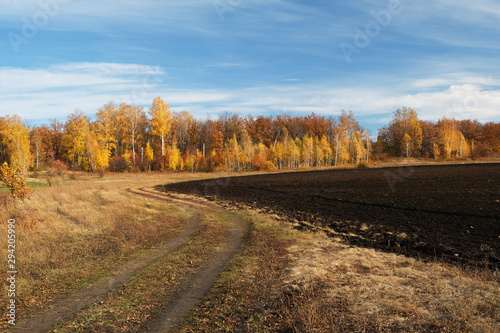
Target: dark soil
(449, 212)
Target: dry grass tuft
(336, 287)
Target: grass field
(74, 233)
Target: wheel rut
(194, 289)
(186, 296)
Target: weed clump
(363, 165)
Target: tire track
(191, 201)
(192, 291)
(64, 308)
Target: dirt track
(449, 212)
(189, 294)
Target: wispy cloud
(230, 64)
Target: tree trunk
(133, 148)
(162, 146)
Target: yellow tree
(326, 151)
(233, 151)
(280, 154)
(76, 131)
(405, 121)
(293, 152)
(16, 139)
(308, 150)
(359, 150)
(464, 148)
(161, 119)
(97, 153)
(247, 150)
(318, 153)
(16, 181)
(105, 125)
(134, 118)
(119, 126)
(148, 154)
(175, 161)
(341, 145)
(453, 141)
(368, 144)
(407, 144)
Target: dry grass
(130, 308)
(244, 299)
(290, 281)
(74, 232)
(340, 288)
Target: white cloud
(466, 101)
(54, 92)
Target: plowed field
(449, 212)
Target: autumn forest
(129, 138)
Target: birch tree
(161, 120)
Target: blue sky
(256, 57)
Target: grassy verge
(290, 281)
(247, 296)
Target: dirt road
(185, 298)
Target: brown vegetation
(15, 180)
(289, 281)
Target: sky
(258, 57)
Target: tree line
(126, 137)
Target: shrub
(58, 167)
(260, 163)
(15, 179)
(363, 165)
(73, 176)
(118, 164)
